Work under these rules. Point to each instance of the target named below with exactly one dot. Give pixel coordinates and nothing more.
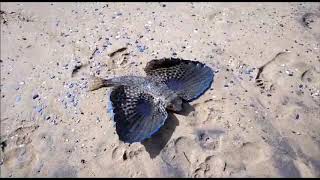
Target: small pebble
(248, 71)
(18, 98)
(289, 73)
(35, 96)
(39, 109)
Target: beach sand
(260, 118)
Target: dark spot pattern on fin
(190, 79)
(137, 114)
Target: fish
(141, 103)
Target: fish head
(175, 104)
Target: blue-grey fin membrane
(190, 79)
(109, 108)
(136, 114)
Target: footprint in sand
(181, 155)
(177, 155)
(209, 139)
(131, 154)
(201, 114)
(45, 142)
(269, 73)
(126, 153)
(252, 153)
(21, 135)
(118, 57)
(283, 70)
(21, 160)
(211, 167)
(18, 138)
(18, 152)
(124, 158)
(117, 152)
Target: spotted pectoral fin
(136, 114)
(188, 78)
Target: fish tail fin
(97, 83)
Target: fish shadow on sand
(156, 143)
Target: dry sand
(259, 119)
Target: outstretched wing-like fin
(137, 114)
(189, 79)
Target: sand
(260, 118)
